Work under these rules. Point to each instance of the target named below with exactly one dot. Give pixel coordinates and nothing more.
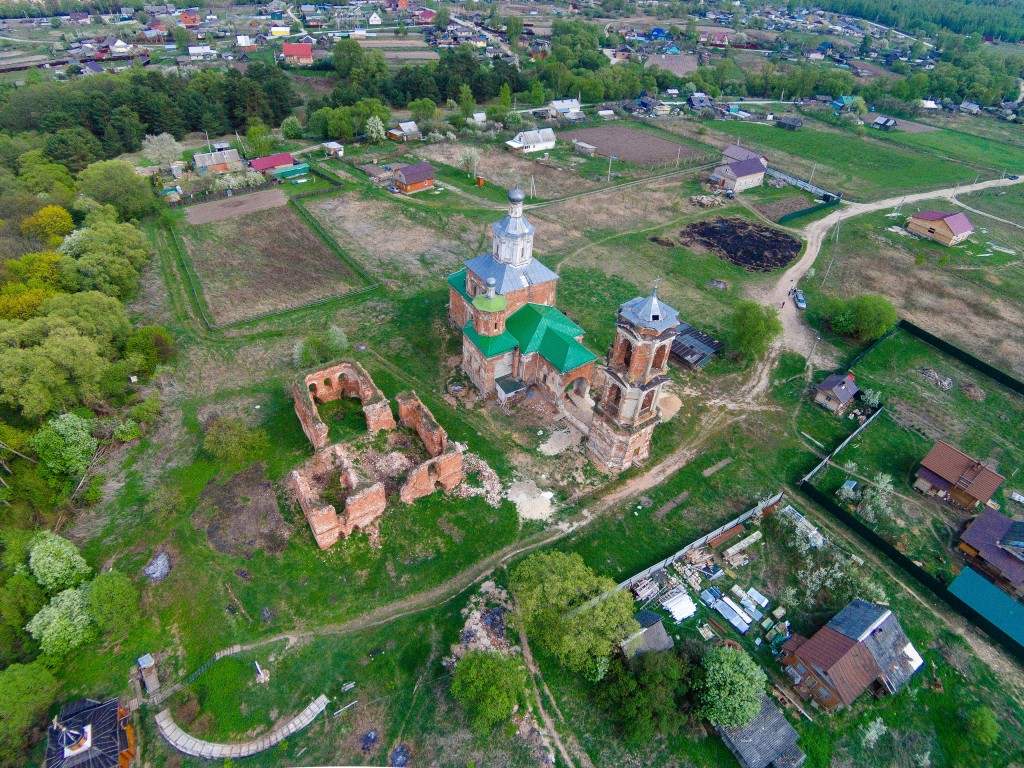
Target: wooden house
(405, 131)
(767, 740)
(836, 393)
(414, 178)
(944, 228)
(862, 648)
(994, 543)
(951, 474)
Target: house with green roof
(513, 337)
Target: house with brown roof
(739, 175)
(734, 153)
(945, 228)
(952, 475)
(414, 178)
(836, 393)
(995, 545)
(863, 648)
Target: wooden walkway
(206, 750)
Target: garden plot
(261, 262)
(632, 145)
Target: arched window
(648, 401)
(614, 398)
(659, 357)
(627, 356)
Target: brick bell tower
(635, 372)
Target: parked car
(801, 302)
(393, 189)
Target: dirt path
(537, 680)
(966, 207)
(796, 334)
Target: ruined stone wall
(363, 505)
(346, 379)
(445, 470)
(614, 450)
(413, 414)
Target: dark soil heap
(753, 246)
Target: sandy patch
(669, 406)
(530, 501)
(561, 441)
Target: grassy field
(970, 294)
(917, 414)
(984, 152)
(864, 169)
(263, 262)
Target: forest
(1001, 19)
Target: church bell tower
(635, 372)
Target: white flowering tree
(56, 563)
(63, 624)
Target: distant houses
(532, 141)
(220, 161)
(414, 178)
(944, 228)
(952, 475)
(863, 648)
(406, 130)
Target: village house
(220, 161)
(567, 108)
(700, 100)
(374, 19)
(271, 162)
(995, 545)
(91, 733)
(299, 54)
(201, 52)
(513, 337)
(333, 149)
(414, 178)
(954, 476)
(405, 131)
(768, 740)
(738, 176)
(188, 19)
(836, 393)
(863, 648)
(790, 123)
(734, 153)
(944, 228)
(883, 123)
(532, 141)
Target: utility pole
(815, 168)
(610, 158)
(678, 154)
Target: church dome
(516, 195)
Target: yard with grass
(970, 294)
(263, 262)
(917, 414)
(863, 169)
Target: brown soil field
(241, 515)
(394, 42)
(677, 63)
(232, 207)
(396, 250)
(506, 169)
(631, 145)
(263, 262)
(780, 208)
(909, 127)
(753, 246)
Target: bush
(114, 602)
(148, 410)
(65, 445)
(152, 345)
(291, 128)
(867, 317)
(730, 688)
(488, 685)
(63, 624)
(231, 441)
(320, 348)
(127, 431)
(26, 691)
(56, 563)
(753, 328)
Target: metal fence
(701, 541)
(807, 211)
(802, 184)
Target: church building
(513, 337)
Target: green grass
(863, 168)
(984, 152)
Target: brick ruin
(356, 477)
(347, 379)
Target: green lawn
(984, 152)
(864, 169)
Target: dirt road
(797, 335)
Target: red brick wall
(458, 308)
(347, 379)
(444, 470)
(614, 450)
(413, 414)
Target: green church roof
(485, 304)
(491, 346)
(457, 280)
(539, 328)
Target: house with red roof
(300, 54)
(189, 19)
(270, 162)
(951, 474)
(945, 228)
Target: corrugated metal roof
(546, 330)
(958, 223)
(508, 278)
(491, 346)
(858, 619)
(457, 280)
(841, 386)
(968, 475)
(991, 602)
(649, 312)
(415, 173)
(985, 534)
(767, 739)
